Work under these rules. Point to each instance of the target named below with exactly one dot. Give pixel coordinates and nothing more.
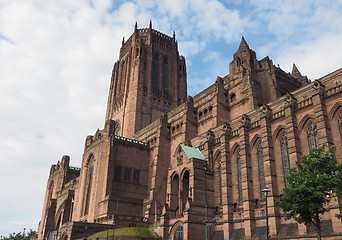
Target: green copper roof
(192, 152)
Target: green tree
(312, 183)
(20, 236)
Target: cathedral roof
(192, 152)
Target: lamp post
(266, 191)
(208, 223)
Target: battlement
(153, 34)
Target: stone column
(293, 142)
(324, 136)
(269, 168)
(246, 175)
(227, 207)
(320, 113)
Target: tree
(20, 236)
(312, 183)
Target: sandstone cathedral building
(194, 166)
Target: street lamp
(266, 191)
(208, 223)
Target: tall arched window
(179, 233)
(155, 70)
(218, 176)
(220, 179)
(340, 123)
(165, 73)
(123, 77)
(117, 130)
(285, 156)
(312, 136)
(89, 183)
(238, 163)
(185, 190)
(174, 201)
(261, 169)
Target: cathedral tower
(148, 80)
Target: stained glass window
(155, 70)
(261, 169)
(285, 156)
(220, 178)
(165, 74)
(340, 123)
(238, 160)
(89, 183)
(312, 136)
(179, 233)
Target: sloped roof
(192, 152)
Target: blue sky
(56, 59)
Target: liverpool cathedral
(195, 167)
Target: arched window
(340, 123)
(174, 201)
(179, 233)
(285, 156)
(123, 77)
(238, 163)
(155, 70)
(312, 136)
(50, 191)
(261, 169)
(185, 190)
(117, 129)
(165, 74)
(232, 97)
(220, 179)
(89, 183)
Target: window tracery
(238, 160)
(285, 156)
(261, 169)
(312, 136)
(155, 70)
(89, 183)
(340, 123)
(165, 74)
(179, 233)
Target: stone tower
(148, 80)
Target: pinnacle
(243, 43)
(295, 71)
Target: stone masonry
(169, 161)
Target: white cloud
(315, 58)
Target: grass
(135, 231)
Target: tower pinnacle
(295, 72)
(243, 43)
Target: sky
(56, 59)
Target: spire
(295, 72)
(243, 43)
(136, 26)
(174, 36)
(150, 24)
(123, 42)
